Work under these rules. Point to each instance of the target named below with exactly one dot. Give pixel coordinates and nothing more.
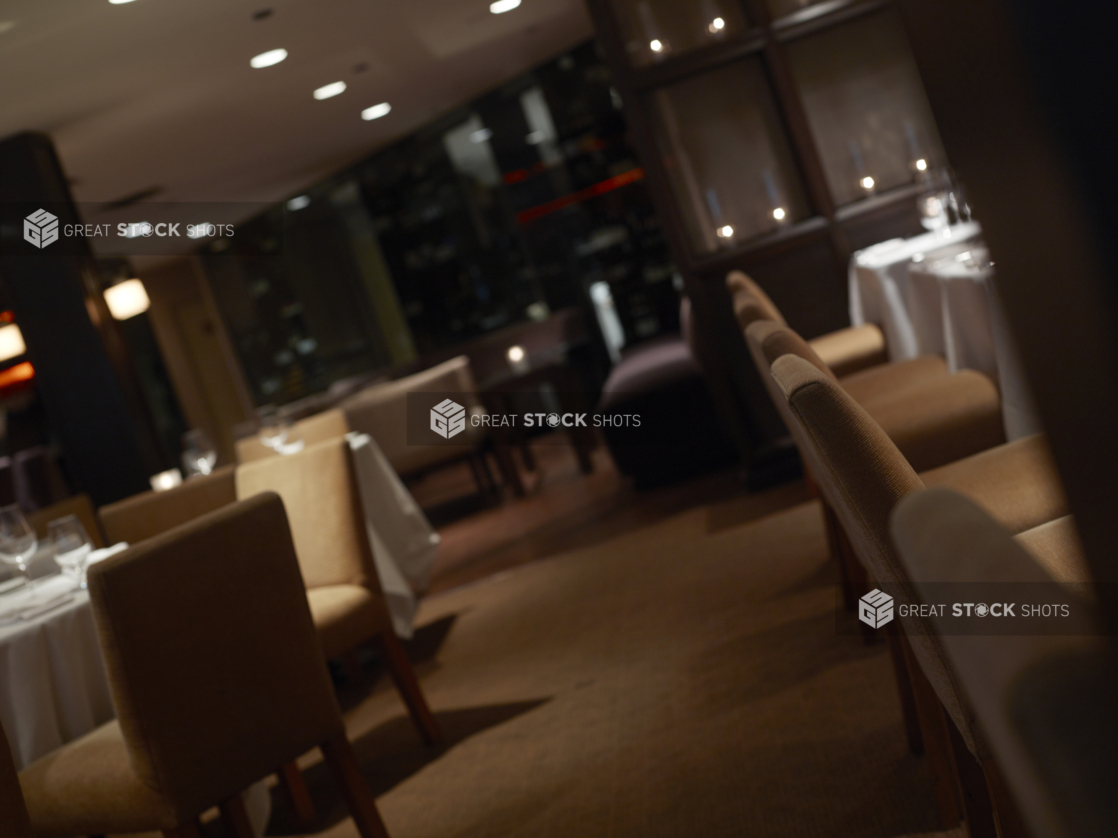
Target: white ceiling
(160, 92)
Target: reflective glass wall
(507, 210)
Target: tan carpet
(682, 680)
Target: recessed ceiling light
(119, 2)
(376, 111)
(502, 6)
(328, 90)
(267, 59)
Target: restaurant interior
(564, 418)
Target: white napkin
(106, 552)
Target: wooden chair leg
(1007, 816)
(835, 550)
(353, 671)
(507, 465)
(978, 808)
(859, 579)
(482, 488)
(234, 816)
(904, 690)
(527, 456)
(190, 829)
(342, 763)
(934, 726)
(402, 674)
(295, 791)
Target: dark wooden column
(54, 298)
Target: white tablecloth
(960, 295)
(52, 681)
(53, 686)
(403, 542)
(880, 290)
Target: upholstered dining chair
(151, 513)
(933, 420)
(381, 411)
(845, 351)
(1016, 481)
(1035, 697)
(863, 476)
(79, 505)
(13, 811)
(329, 424)
(217, 679)
(928, 420)
(319, 488)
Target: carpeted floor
(685, 679)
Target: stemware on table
(72, 546)
(199, 454)
(18, 540)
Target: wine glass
(274, 428)
(199, 454)
(71, 545)
(934, 199)
(17, 539)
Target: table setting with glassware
(936, 294)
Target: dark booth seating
(680, 434)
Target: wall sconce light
(127, 299)
(11, 342)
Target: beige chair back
(741, 287)
(1035, 712)
(214, 664)
(148, 514)
(864, 476)
(319, 491)
(329, 424)
(13, 813)
(767, 341)
(79, 505)
(381, 411)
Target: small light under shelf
(725, 231)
